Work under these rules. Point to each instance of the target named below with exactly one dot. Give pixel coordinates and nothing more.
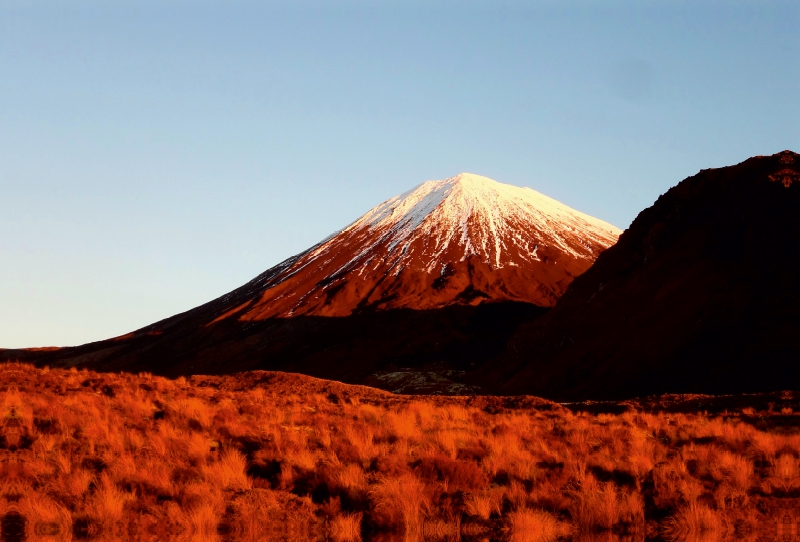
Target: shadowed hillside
(701, 294)
(438, 346)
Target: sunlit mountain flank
(463, 240)
(432, 280)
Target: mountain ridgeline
(467, 286)
(460, 241)
(412, 296)
(700, 295)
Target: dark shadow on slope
(700, 295)
(456, 339)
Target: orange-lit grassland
(270, 456)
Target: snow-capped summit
(462, 240)
(481, 216)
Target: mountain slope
(462, 240)
(436, 278)
(700, 294)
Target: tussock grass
(265, 456)
(347, 527)
(695, 522)
(535, 526)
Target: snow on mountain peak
(477, 213)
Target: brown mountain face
(461, 241)
(436, 278)
(701, 294)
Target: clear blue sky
(156, 154)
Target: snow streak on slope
(484, 218)
(462, 240)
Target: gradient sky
(157, 154)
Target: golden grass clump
(401, 502)
(483, 504)
(347, 527)
(695, 523)
(535, 526)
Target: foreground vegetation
(271, 456)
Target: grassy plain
(271, 456)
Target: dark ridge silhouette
(700, 295)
